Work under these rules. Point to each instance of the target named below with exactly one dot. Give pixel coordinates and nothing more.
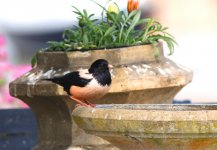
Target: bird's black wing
(72, 78)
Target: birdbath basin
(152, 127)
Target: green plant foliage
(2, 82)
(112, 30)
(33, 61)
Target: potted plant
(141, 74)
(115, 29)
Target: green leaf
(133, 13)
(77, 11)
(133, 24)
(156, 52)
(34, 61)
(100, 5)
(141, 21)
(85, 13)
(2, 82)
(109, 31)
(91, 15)
(85, 38)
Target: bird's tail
(57, 80)
(60, 81)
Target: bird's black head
(100, 70)
(99, 66)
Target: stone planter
(137, 78)
(152, 127)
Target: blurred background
(26, 26)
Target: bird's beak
(110, 66)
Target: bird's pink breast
(88, 92)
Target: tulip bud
(132, 5)
(113, 8)
(82, 22)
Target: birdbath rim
(146, 118)
(148, 112)
(166, 107)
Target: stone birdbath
(152, 127)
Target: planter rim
(116, 56)
(100, 49)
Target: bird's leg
(80, 102)
(92, 105)
(77, 105)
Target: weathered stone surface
(54, 123)
(152, 127)
(117, 56)
(137, 78)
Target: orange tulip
(132, 5)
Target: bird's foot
(80, 103)
(83, 103)
(77, 105)
(92, 105)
